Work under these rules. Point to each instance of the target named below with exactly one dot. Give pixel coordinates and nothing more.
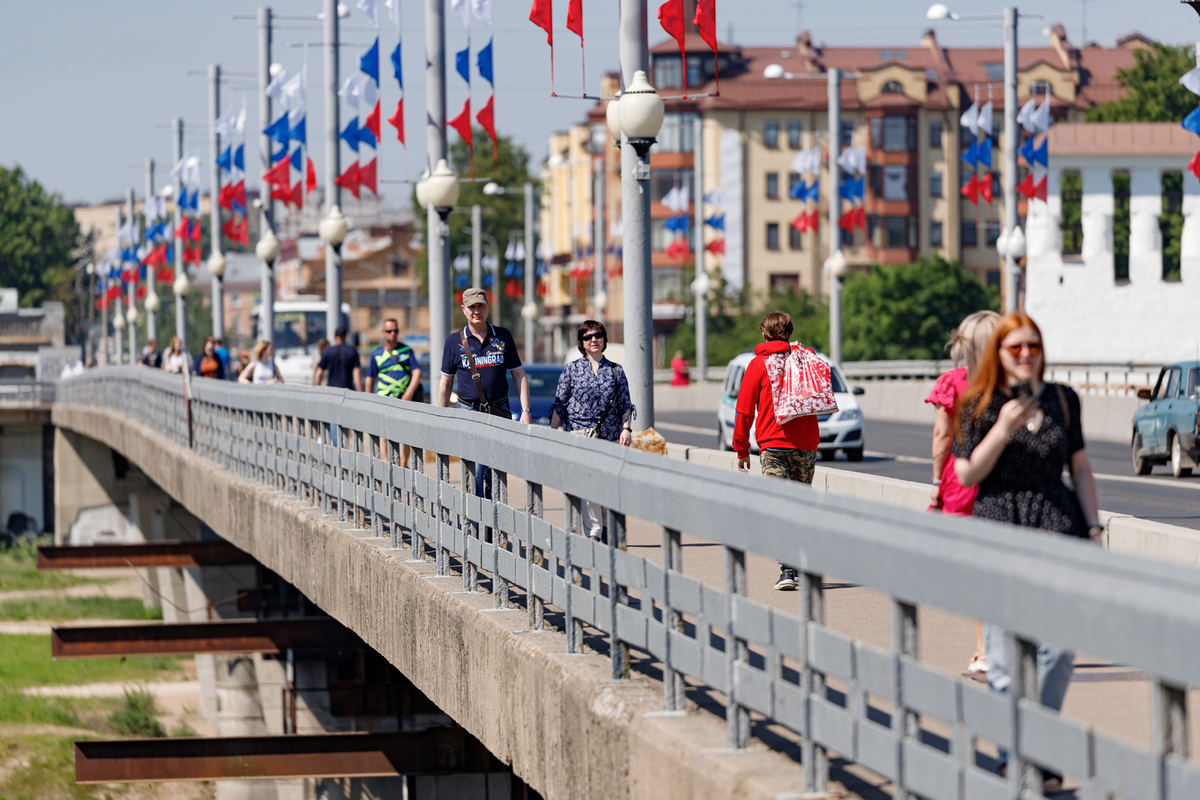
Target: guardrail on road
(25, 394)
(1117, 379)
(341, 451)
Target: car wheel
(1141, 465)
(1177, 468)
(854, 454)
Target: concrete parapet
(564, 725)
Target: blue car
(543, 383)
(1165, 430)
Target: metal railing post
(533, 555)
(419, 503)
(1022, 773)
(498, 539)
(573, 519)
(736, 716)
(1169, 731)
(618, 594)
(812, 683)
(672, 562)
(905, 728)
(442, 516)
(469, 529)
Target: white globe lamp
(152, 303)
(216, 264)
(268, 247)
(333, 228)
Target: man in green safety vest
(392, 369)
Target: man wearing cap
(392, 369)
(494, 351)
(340, 363)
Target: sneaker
(787, 580)
(978, 664)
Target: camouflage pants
(796, 465)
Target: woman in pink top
(948, 495)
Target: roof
(1121, 139)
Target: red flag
(278, 175)
(575, 19)
(165, 274)
(487, 119)
(225, 196)
(716, 247)
(282, 194)
(1025, 189)
(349, 179)
(800, 223)
(366, 176)
(971, 190)
(1194, 165)
(1039, 189)
(985, 188)
(706, 21)
(814, 220)
(371, 123)
(242, 232)
(846, 221)
(310, 180)
(297, 198)
(543, 16)
(195, 234)
(860, 217)
(462, 123)
(239, 192)
(227, 229)
(181, 230)
(671, 17)
(397, 121)
(140, 292)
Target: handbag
(1066, 409)
(484, 405)
(594, 431)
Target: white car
(841, 430)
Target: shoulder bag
(594, 431)
(1066, 409)
(484, 404)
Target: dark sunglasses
(1015, 349)
(391, 330)
(587, 337)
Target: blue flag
(856, 191)
(183, 198)
(369, 63)
(716, 222)
(846, 189)
(484, 62)
(971, 154)
(350, 134)
(366, 136)
(984, 152)
(223, 160)
(296, 163)
(239, 160)
(280, 156)
(814, 191)
(278, 130)
(1026, 151)
(462, 63)
(170, 254)
(298, 133)
(1042, 155)
(799, 191)
(396, 69)
(1192, 122)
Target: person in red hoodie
(786, 451)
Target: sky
(89, 87)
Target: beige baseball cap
(473, 296)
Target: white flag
(370, 9)
(800, 162)
(275, 87)
(985, 118)
(1025, 115)
(519, 252)
(239, 123)
(294, 93)
(191, 171)
(814, 159)
(860, 159)
(1191, 80)
(393, 7)
(846, 160)
(367, 91)
(482, 9)
(510, 252)
(1041, 117)
(714, 197)
(970, 118)
(177, 172)
(350, 90)
(463, 10)
(224, 125)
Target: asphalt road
(901, 450)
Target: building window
(772, 235)
(676, 134)
(795, 239)
(935, 184)
(893, 55)
(771, 133)
(399, 267)
(666, 283)
(993, 232)
(993, 279)
(668, 71)
(895, 183)
(793, 128)
(894, 134)
(935, 234)
(1120, 223)
(846, 133)
(1170, 224)
(661, 238)
(965, 137)
(785, 284)
(847, 237)
(935, 134)
(1072, 213)
(892, 87)
(995, 72)
(793, 182)
(772, 185)
(970, 234)
(663, 181)
(894, 232)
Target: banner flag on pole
(984, 151)
(278, 175)
(706, 20)
(371, 123)
(297, 164)
(462, 63)
(542, 15)
(670, 16)
(462, 123)
(484, 62)
(225, 160)
(575, 26)
(350, 134)
(487, 119)
(349, 179)
(310, 176)
(239, 160)
(366, 176)
(397, 69)
(278, 130)
(298, 133)
(396, 120)
(369, 63)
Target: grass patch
(57, 608)
(41, 767)
(137, 715)
(18, 569)
(25, 661)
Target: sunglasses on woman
(587, 337)
(1015, 349)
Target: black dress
(1026, 486)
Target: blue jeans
(1054, 668)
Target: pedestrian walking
(151, 355)
(262, 368)
(223, 354)
(1014, 435)
(340, 363)
(392, 368)
(679, 370)
(174, 360)
(948, 495)
(208, 365)
(592, 400)
(475, 360)
(785, 451)
(322, 344)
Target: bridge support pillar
(86, 485)
(145, 507)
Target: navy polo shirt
(493, 359)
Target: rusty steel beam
(441, 751)
(144, 554)
(187, 638)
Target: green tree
(733, 326)
(502, 214)
(40, 244)
(908, 311)
(1152, 89)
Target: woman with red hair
(1015, 434)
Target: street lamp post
(835, 265)
(181, 282)
(439, 193)
(266, 206)
(131, 314)
(701, 285)
(267, 251)
(216, 261)
(333, 168)
(151, 301)
(938, 11)
(332, 230)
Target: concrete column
(144, 506)
(86, 490)
(1097, 220)
(1189, 266)
(1145, 237)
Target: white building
(1108, 299)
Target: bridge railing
(343, 452)
(25, 393)
(1118, 379)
